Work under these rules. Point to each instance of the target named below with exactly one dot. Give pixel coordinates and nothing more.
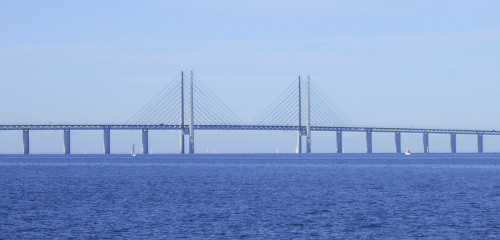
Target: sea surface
(264, 196)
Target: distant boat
(408, 152)
(133, 151)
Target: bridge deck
(242, 127)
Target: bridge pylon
(299, 119)
(190, 130)
(301, 131)
(191, 116)
(308, 114)
(182, 132)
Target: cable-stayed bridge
(187, 105)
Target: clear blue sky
(429, 64)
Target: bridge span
(66, 129)
(187, 105)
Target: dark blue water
(251, 197)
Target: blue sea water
(329, 196)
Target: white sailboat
(408, 153)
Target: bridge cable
(225, 114)
(216, 118)
(281, 107)
(228, 114)
(163, 110)
(335, 109)
(211, 108)
(271, 108)
(143, 114)
(326, 115)
(284, 108)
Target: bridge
(187, 105)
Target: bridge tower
(182, 132)
(299, 118)
(191, 117)
(182, 124)
(308, 126)
(301, 132)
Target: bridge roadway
(240, 127)
(302, 131)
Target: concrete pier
(67, 141)
(145, 141)
(181, 142)
(107, 141)
(26, 141)
(339, 142)
(369, 146)
(398, 141)
(299, 143)
(191, 141)
(453, 143)
(308, 142)
(480, 146)
(426, 142)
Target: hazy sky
(429, 64)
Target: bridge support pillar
(398, 142)
(369, 146)
(480, 148)
(339, 142)
(67, 141)
(308, 143)
(26, 141)
(145, 141)
(107, 141)
(453, 142)
(181, 142)
(191, 142)
(426, 142)
(299, 143)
